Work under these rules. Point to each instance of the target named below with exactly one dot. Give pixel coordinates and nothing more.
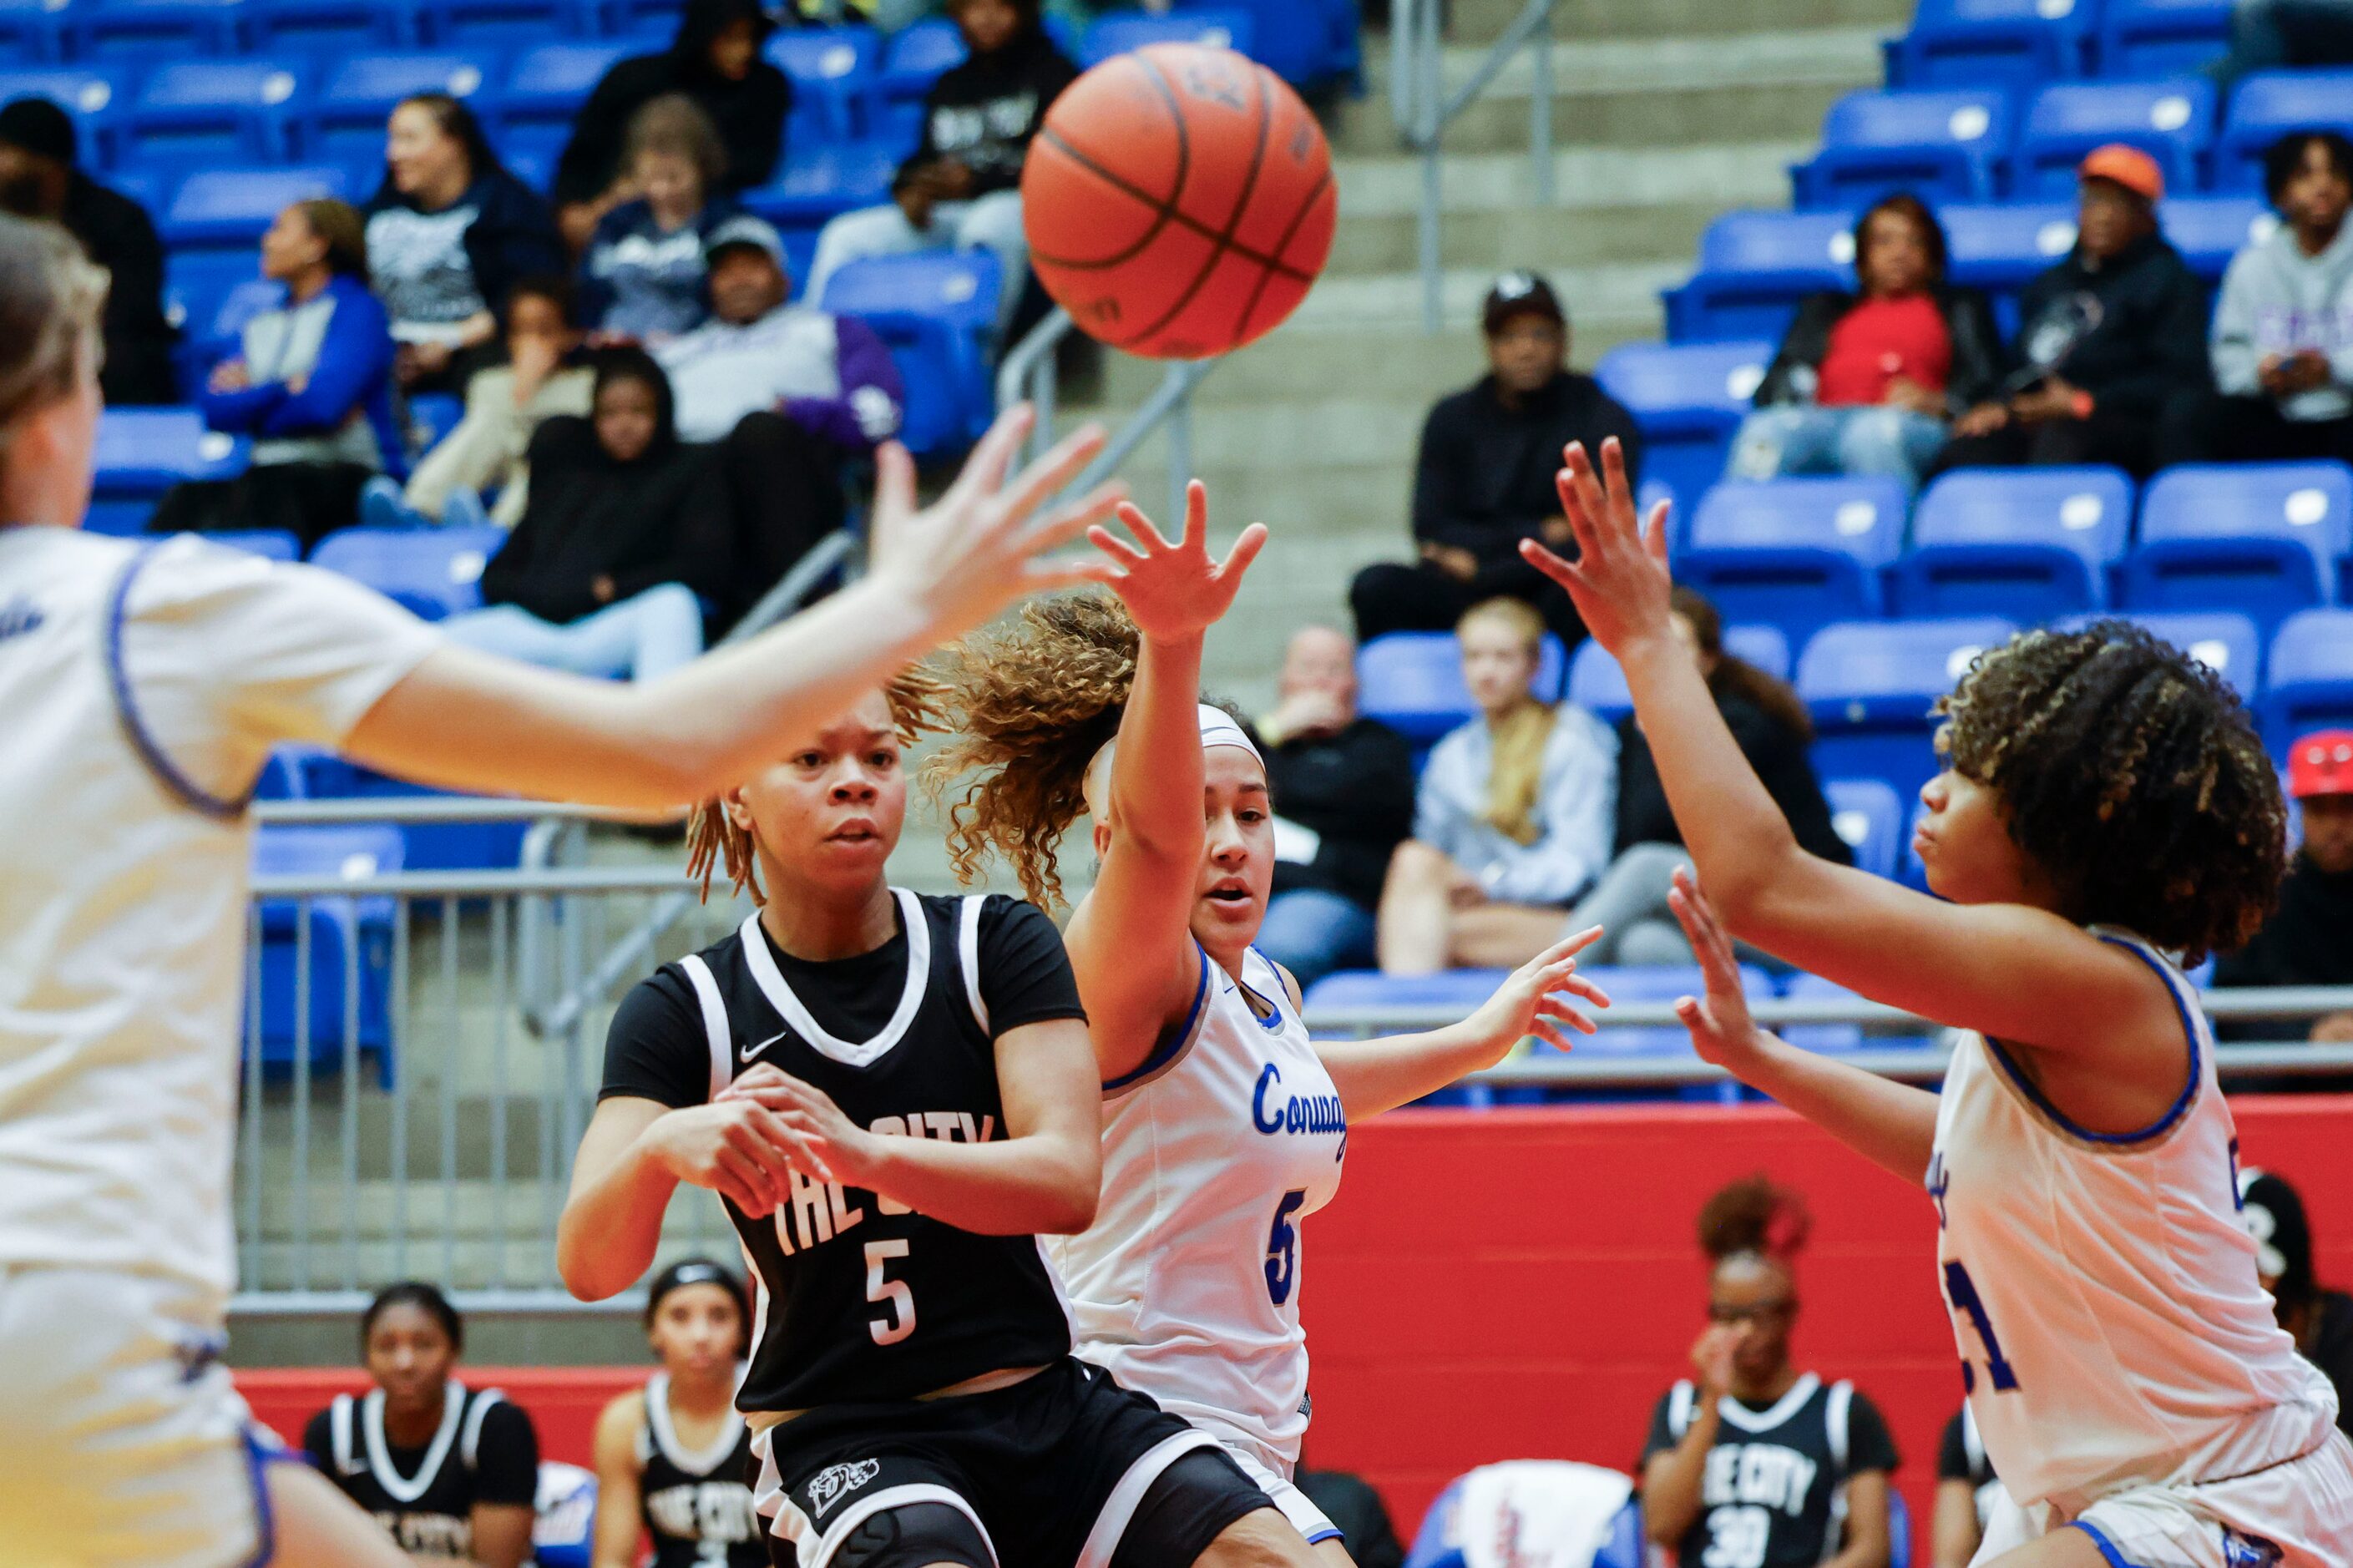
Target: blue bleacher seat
(1868, 815)
(1412, 681)
(435, 572)
(2030, 543)
(325, 27)
(1597, 681)
(269, 543)
(1998, 246)
(2261, 538)
(937, 314)
(2310, 686)
(2225, 641)
(228, 209)
(835, 72)
(543, 90)
(348, 945)
(470, 24)
(1794, 553)
(2172, 120)
(145, 32)
(641, 19)
(197, 287)
(2267, 106)
(213, 111)
(1219, 26)
(1978, 43)
(28, 31)
(94, 95)
(2160, 38)
(1688, 399)
(819, 182)
(142, 452)
(1935, 143)
(916, 55)
(2210, 230)
(358, 94)
(1660, 984)
(1754, 268)
(1870, 685)
(1302, 41)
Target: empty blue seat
(142, 452)
(325, 26)
(2210, 230)
(1869, 815)
(28, 31)
(1935, 143)
(1688, 398)
(2029, 543)
(642, 19)
(1219, 26)
(2311, 680)
(937, 314)
(917, 55)
(2261, 538)
(2000, 246)
(1754, 268)
(269, 543)
(543, 90)
(1302, 41)
(2267, 106)
(1794, 553)
(1980, 43)
(346, 120)
(2225, 641)
(819, 182)
(435, 572)
(1595, 679)
(142, 32)
(470, 24)
(834, 71)
(2160, 38)
(198, 286)
(1412, 681)
(228, 209)
(94, 95)
(330, 952)
(213, 111)
(1870, 686)
(2172, 120)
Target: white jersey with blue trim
(2104, 1292)
(1186, 1287)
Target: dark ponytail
(1734, 677)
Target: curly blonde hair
(916, 696)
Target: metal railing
(1029, 370)
(1423, 109)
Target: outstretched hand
(1529, 1002)
(1619, 581)
(1174, 590)
(1721, 1029)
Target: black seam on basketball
(1161, 214)
(1266, 275)
(1223, 243)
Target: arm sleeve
(1580, 822)
(1868, 1445)
(2340, 359)
(1437, 487)
(656, 1048)
(1952, 1453)
(515, 238)
(2232, 345)
(239, 413)
(873, 397)
(1436, 821)
(585, 167)
(752, 160)
(699, 547)
(1025, 974)
(2177, 341)
(1799, 348)
(318, 1443)
(355, 357)
(1663, 1436)
(506, 1463)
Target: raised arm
(621, 1481)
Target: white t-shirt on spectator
(719, 373)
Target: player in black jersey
(673, 1457)
(1965, 1489)
(894, 1095)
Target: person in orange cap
(2108, 338)
(2309, 939)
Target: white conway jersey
(2103, 1289)
(1186, 1287)
(142, 686)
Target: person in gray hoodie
(2282, 335)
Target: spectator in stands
(40, 178)
(1484, 478)
(311, 384)
(1811, 1459)
(2308, 940)
(2270, 35)
(1770, 720)
(962, 189)
(2108, 337)
(626, 533)
(788, 392)
(1865, 383)
(505, 406)
(714, 61)
(450, 1472)
(1966, 1490)
(1343, 788)
(2282, 335)
(448, 232)
(643, 278)
(1512, 821)
(2321, 1321)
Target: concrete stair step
(1479, 21)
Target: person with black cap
(1484, 478)
(2320, 1320)
(39, 178)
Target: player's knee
(919, 1535)
(1260, 1540)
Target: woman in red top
(1865, 383)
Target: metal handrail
(1029, 370)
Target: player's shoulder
(501, 1416)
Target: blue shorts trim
(1323, 1536)
(2108, 1548)
(258, 1459)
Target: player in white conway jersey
(2104, 798)
(1224, 1126)
(142, 685)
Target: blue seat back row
(1957, 43)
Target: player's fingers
(1571, 1018)
(1245, 551)
(1546, 562)
(1578, 986)
(894, 489)
(1619, 493)
(1053, 579)
(1567, 947)
(1065, 523)
(1196, 517)
(1112, 545)
(1148, 532)
(1656, 539)
(1552, 1034)
(1591, 508)
(984, 472)
(740, 1179)
(1052, 474)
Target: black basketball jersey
(1774, 1492)
(697, 1507)
(484, 1451)
(859, 1299)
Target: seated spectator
(643, 276)
(1966, 1490)
(1512, 823)
(789, 393)
(2106, 339)
(2271, 35)
(449, 231)
(39, 178)
(714, 61)
(2308, 940)
(311, 384)
(1865, 383)
(1812, 1494)
(2320, 1320)
(392, 1452)
(1484, 478)
(1342, 790)
(2283, 335)
(505, 406)
(624, 528)
(1770, 720)
(962, 189)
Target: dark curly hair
(1755, 1215)
(2132, 775)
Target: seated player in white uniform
(2104, 804)
(143, 684)
(1223, 1125)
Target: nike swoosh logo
(751, 1051)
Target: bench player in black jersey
(894, 1095)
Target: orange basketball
(1178, 201)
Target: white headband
(1218, 729)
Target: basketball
(1178, 201)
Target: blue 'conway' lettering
(1309, 1113)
